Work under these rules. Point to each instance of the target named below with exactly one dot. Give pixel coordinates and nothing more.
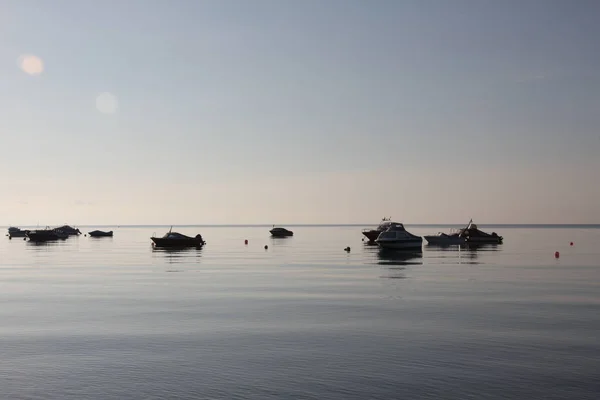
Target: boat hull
(18, 234)
(100, 234)
(400, 244)
(371, 235)
(487, 240)
(45, 236)
(439, 240)
(281, 233)
(179, 242)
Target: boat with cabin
(398, 238)
(176, 239)
(45, 235)
(470, 234)
(473, 235)
(13, 231)
(372, 234)
(446, 239)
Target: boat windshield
(388, 235)
(396, 227)
(384, 225)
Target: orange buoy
(571, 243)
(556, 254)
(246, 241)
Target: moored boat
(397, 237)
(445, 239)
(473, 235)
(97, 233)
(13, 231)
(175, 239)
(470, 234)
(44, 235)
(372, 234)
(281, 232)
(68, 230)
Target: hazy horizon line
(449, 225)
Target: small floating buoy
(571, 243)
(24, 238)
(266, 247)
(246, 241)
(85, 235)
(347, 249)
(556, 254)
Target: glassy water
(114, 318)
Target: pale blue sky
(308, 111)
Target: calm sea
(113, 318)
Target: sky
(283, 111)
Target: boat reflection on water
(473, 251)
(459, 254)
(481, 246)
(399, 257)
(46, 245)
(281, 239)
(178, 254)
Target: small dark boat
(372, 234)
(44, 235)
(100, 233)
(473, 235)
(175, 239)
(13, 231)
(281, 232)
(68, 230)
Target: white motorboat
(396, 237)
(446, 239)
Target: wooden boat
(175, 239)
(97, 233)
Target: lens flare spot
(107, 103)
(31, 64)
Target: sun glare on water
(31, 64)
